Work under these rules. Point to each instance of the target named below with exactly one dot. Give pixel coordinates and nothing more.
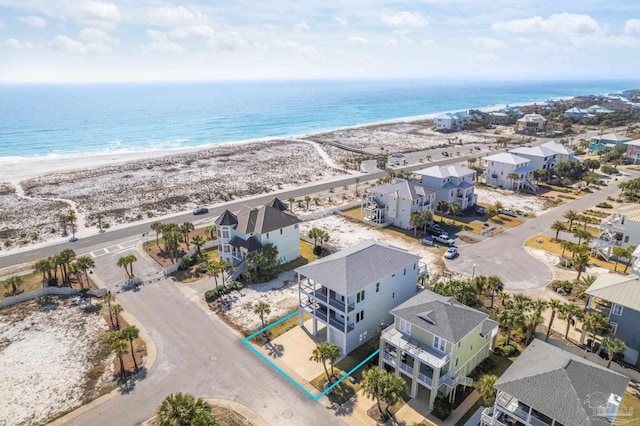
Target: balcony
(514, 407)
(487, 418)
(406, 368)
(334, 322)
(615, 222)
(601, 306)
(425, 353)
(389, 358)
(320, 295)
(425, 380)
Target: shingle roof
(559, 384)
(620, 289)
(442, 316)
(350, 270)
(404, 189)
(226, 219)
(635, 142)
(278, 204)
(536, 151)
(263, 219)
(252, 244)
(445, 171)
(507, 157)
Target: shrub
(604, 205)
(441, 408)
(608, 170)
(211, 295)
(509, 350)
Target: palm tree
(197, 241)
(571, 216)
(322, 353)
(157, 227)
(211, 232)
(455, 209)
(117, 309)
(617, 252)
(628, 254)
(495, 285)
(109, 298)
(72, 218)
(555, 305)
(185, 228)
(504, 298)
(307, 198)
(185, 410)
(426, 219)
(65, 257)
(521, 302)
(131, 333)
(595, 323)
(415, 220)
(383, 386)
(566, 245)
(443, 208)
(581, 234)
(580, 263)
(497, 206)
(123, 262)
(318, 235)
(558, 226)
(44, 267)
(570, 312)
(261, 309)
(486, 389)
(85, 263)
(357, 182)
(613, 346)
(535, 318)
(512, 177)
(99, 217)
(333, 353)
(14, 282)
(120, 348)
(510, 318)
(291, 200)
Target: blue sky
(142, 40)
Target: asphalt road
(504, 255)
(197, 354)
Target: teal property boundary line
(246, 342)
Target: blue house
(600, 142)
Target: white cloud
(201, 31)
(175, 16)
(96, 36)
(341, 20)
(632, 27)
(358, 40)
(305, 50)
(228, 42)
(34, 21)
(160, 44)
(67, 44)
(391, 42)
(563, 23)
(97, 14)
(405, 20)
(301, 26)
(12, 43)
(488, 43)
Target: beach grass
(548, 244)
(509, 222)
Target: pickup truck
(507, 212)
(444, 239)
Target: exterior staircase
(235, 272)
(530, 185)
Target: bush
(509, 350)
(213, 294)
(441, 408)
(604, 205)
(317, 250)
(566, 286)
(608, 170)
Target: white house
(563, 153)
(451, 120)
(598, 109)
(455, 184)
(620, 229)
(577, 113)
(252, 228)
(351, 292)
(500, 168)
(393, 203)
(541, 157)
(531, 123)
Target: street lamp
(473, 273)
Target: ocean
(60, 120)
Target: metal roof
(507, 158)
(619, 289)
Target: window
(267, 235)
(470, 348)
(626, 239)
(225, 234)
(614, 328)
(219, 248)
(359, 316)
(377, 287)
(405, 327)
(438, 343)
(617, 310)
(219, 234)
(280, 231)
(226, 249)
(405, 271)
(456, 362)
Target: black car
(201, 210)
(445, 153)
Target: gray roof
(251, 244)
(442, 316)
(226, 218)
(620, 289)
(278, 204)
(404, 189)
(560, 385)
(350, 270)
(263, 219)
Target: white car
(444, 239)
(451, 253)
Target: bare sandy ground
(45, 354)
(526, 203)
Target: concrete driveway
(196, 353)
(504, 254)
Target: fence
(49, 291)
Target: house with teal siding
(610, 140)
(434, 343)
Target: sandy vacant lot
(526, 203)
(46, 352)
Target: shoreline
(15, 169)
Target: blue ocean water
(76, 119)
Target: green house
(434, 343)
(600, 142)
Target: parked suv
(481, 211)
(444, 239)
(507, 212)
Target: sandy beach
(137, 186)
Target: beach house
(252, 228)
(547, 386)
(577, 113)
(541, 157)
(454, 184)
(620, 229)
(609, 140)
(563, 153)
(531, 124)
(507, 170)
(351, 292)
(618, 298)
(633, 151)
(393, 203)
(434, 343)
(451, 120)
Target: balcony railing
(334, 322)
(425, 353)
(425, 380)
(510, 404)
(487, 418)
(391, 359)
(320, 295)
(406, 368)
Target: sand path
(327, 159)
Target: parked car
(480, 210)
(477, 148)
(427, 240)
(397, 155)
(434, 229)
(201, 210)
(444, 239)
(507, 212)
(451, 253)
(445, 153)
